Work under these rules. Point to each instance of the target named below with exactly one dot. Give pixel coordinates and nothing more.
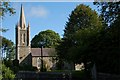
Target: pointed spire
(22, 18)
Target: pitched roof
(46, 52)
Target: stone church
(32, 56)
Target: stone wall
(30, 75)
(24, 55)
(47, 62)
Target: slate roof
(36, 52)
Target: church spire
(22, 18)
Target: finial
(17, 24)
(28, 24)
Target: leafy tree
(108, 44)
(3, 30)
(95, 44)
(49, 37)
(1, 77)
(83, 23)
(7, 48)
(78, 18)
(109, 10)
(7, 73)
(4, 9)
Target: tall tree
(7, 48)
(78, 18)
(6, 44)
(82, 17)
(4, 9)
(48, 37)
(109, 42)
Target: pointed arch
(24, 37)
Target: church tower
(23, 47)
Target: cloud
(39, 11)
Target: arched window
(24, 37)
(21, 38)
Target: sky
(41, 16)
